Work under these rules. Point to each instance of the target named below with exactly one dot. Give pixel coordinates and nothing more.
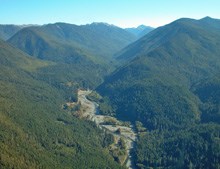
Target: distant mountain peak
(206, 18)
(142, 27)
(209, 19)
(140, 30)
(183, 20)
(102, 23)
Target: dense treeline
(182, 125)
(194, 147)
(35, 132)
(170, 83)
(209, 93)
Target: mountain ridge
(166, 32)
(35, 130)
(93, 38)
(140, 30)
(166, 84)
(161, 85)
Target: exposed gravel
(89, 111)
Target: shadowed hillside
(99, 40)
(7, 31)
(162, 85)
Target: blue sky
(123, 13)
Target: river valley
(89, 110)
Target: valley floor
(89, 111)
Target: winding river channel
(90, 112)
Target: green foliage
(84, 53)
(139, 127)
(105, 107)
(119, 151)
(94, 96)
(209, 93)
(98, 41)
(170, 83)
(156, 105)
(35, 132)
(196, 147)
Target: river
(90, 112)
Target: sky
(122, 13)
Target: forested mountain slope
(81, 52)
(35, 132)
(187, 30)
(169, 82)
(99, 40)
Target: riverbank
(89, 110)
